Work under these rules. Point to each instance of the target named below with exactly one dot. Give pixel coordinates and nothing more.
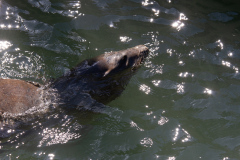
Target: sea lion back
(17, 96)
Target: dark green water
(183, 104)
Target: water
(182, 104)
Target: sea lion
(103, 78)
(17, 96)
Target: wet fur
(103, 78)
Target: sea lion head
(116, 62)
(111, 63)
(103, 77)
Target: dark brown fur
(17, 96)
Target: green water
(183, 104)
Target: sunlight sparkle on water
(170, 51)
(56, 136)
(150, 113)
(10, 130)
(191, 54)
(230, 54)
(77, 5)
(181, 63)
(236, 69)
(220, 44)
(51, 156)
(163, 120)
(186, 74)
(4, 45)
(225, 63)
(180, 88)
(207, 91)
(125, 39)
(178, 24)
(182, 17)
(176, 134)
(146, 3)
(134, 125)
(181, 133)
(156, 12)
(158, 69)
(2, 26)
(156, 82)
(186, 139)
(145, 89)
(147, 142)
(111, 25)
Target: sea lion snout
(122, 60)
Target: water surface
(182, 104)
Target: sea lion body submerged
(103, 78)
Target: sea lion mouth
(143, 52)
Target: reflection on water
(183, 104)
(146, 142)
(178, 24)
(4, 45)
(145, 88)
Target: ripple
(51, 136)
(70, 9)
(21, 64)
(133, 124)
(146, 142)
(163, 120)
(92, 22)
(222, 17)
(181, 134)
